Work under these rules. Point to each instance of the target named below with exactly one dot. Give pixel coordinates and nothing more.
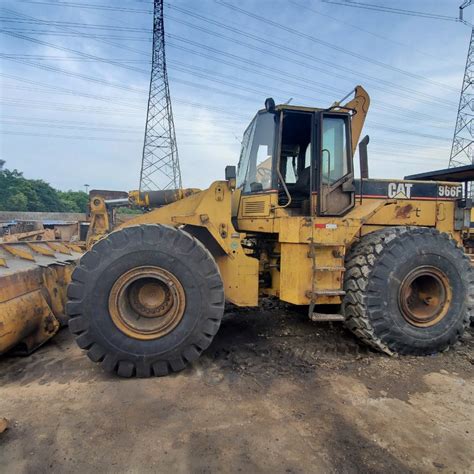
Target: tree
(17, 202)
(18, 193)
(74, 201)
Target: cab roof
(300, 108)
(460, 174)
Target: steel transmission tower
(462, 151)
(160, 163)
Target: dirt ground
(274, 393)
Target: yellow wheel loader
(292, 222)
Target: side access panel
(295, 273)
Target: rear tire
(409, 290)
(158, 337)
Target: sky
(71, 119)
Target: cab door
(334, 165)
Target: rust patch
(403, 212)
(3, 425)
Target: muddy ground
(274, 393)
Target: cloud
(208, 137)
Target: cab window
(256, 157)
(334, 158)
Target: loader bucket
(33, 281)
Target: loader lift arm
(360, 105)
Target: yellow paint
(18, 323)
(32, 294)
(303, 255)
(18, 251)
(41, 249)
(212, 209)
(291, 266)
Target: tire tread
(362, 265)
(184, 245)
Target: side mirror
(230, 173)
(270, 105)
(363, 157)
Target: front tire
(409, 290)
(145, 301)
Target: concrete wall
(6, 216)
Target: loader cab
(304, 156)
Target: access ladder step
(325, 317)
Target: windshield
(255, 164)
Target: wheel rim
(147, 302)
(425, 296)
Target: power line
(76, 75)
(90, 138)
(382, 126)
(393, 109)
(386, 9)
(72, 92)
(101, 110)
(118, 62)
(210, 76)
(126, 87)
(57, 125)
(184, 82)
(79, 35)
(50, 57)
(48, 105)
(406, 145)
(258, 67)
(70, 50)
(68, 29)
(364, 30)
(182, 118)
(229, 81)
(120, 28)
(277, 45)
(96, 129)
(88, 6)
(294, 52)
(201, 86)
(329, 45)
(385, 151)
(89, 26)
(69, 137)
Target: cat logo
(399, 190)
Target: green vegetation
(18, 193)
(128, 210)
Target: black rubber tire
(169, 248)
(377, 264)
